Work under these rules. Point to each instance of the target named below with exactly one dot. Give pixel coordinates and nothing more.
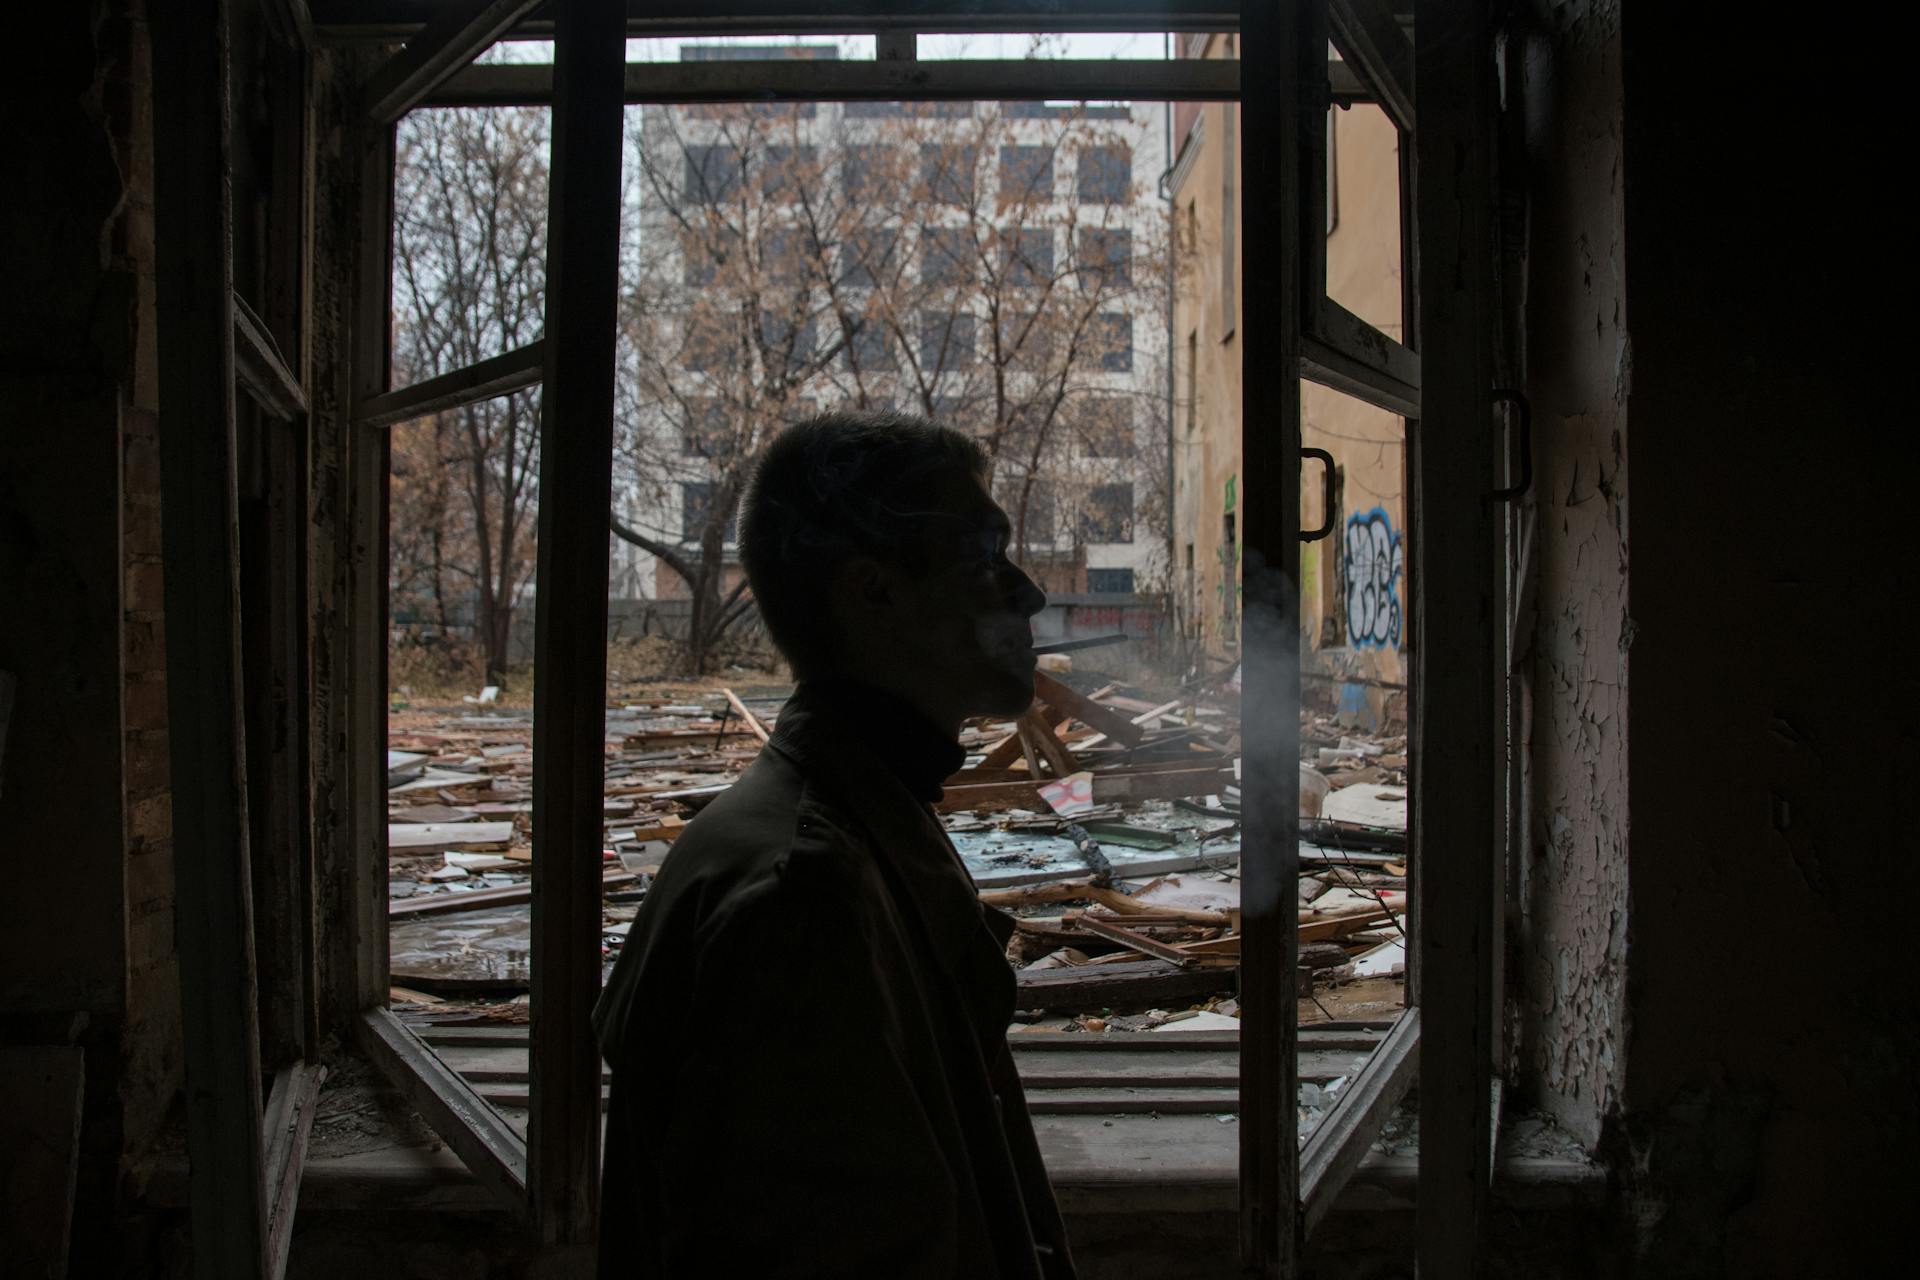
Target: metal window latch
(1326, 495)
(1523, 416)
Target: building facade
(1352, 583)
(999, 267)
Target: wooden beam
(570, 627)
(1146, 984)
(1342, 351)
(1018, 79)
(747, 717)
(1373, 40)
(289, 1119)
(199, 514)
(1288, 42)
(1130, 939)
(1458, 683)
(1051, 749)
(1341, 1141)
(261, 369)
(485, 1143)
(496, 376)
(454, 36)
(442, 904)
(1108, 788)
(1071, 703)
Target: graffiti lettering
(1373, 580)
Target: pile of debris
(1107, 824)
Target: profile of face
(949, 630)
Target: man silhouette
(807, 1024)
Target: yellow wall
(1363, 275)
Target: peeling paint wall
(1571, 868)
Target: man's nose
(1025, 594)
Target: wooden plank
(289, 1119)
(1179, 80)
(485, 1143)
(438, 837)
(570, 627)
(1341, 1141)
(1144, 985)
(1372, 40)
(261, 368)
(1069, 702)
(439, 904)
(1129, 938)
(1108, 788)
(1342, 351)
(199, 515)
(1289, 41)
(455, 35)
(1041, 736)
(1457, 614)
(496, 376)
(747, 717)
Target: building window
(1112, 337)
(696, 508)
(1026, 173)
(787, 255)
(863, 172)
(946, 172)
(1105, 258)
(712, 175)
(1106, 426)
(1107, 515)
(946, 340)
(787, 171)
(870, 346)
(788, 345)
(1105, 175)
(946, 256)
(958, 412)
(704, 252)
(704, 432)
(1030, 507)
(1193, 381)
(868, 257)
(1026, 257)
(1110, 581)
(707, 342)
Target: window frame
(552, 1175)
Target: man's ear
(861, 586)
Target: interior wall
(1771, 1030)
(1572, 651)
(86, 922)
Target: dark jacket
(807, 1031)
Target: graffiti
(1373, 580)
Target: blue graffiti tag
(1373, 578)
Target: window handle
(1523, 415)
(1326, 495)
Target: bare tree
(469, 282)
(984, 265)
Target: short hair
(831, 487)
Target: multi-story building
(1352, 584)
(908, 250)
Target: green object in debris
(1130, 837)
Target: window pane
(946, 340)
(1104, 425)
(1026, 257)
(712, 175)
(703, 430)
(788, 255)
(870, 346)
(869, 258)
(1114, 581)
(1105, 259)
(1107, 515)
(864, 172)
(946, 172)
(1113, 340)
(1105, 173)
(786, 171)
(1026, 173)
(946, 256)
(786, 343)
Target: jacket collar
(820, 731)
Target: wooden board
(438, 837)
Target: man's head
(875, 552)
